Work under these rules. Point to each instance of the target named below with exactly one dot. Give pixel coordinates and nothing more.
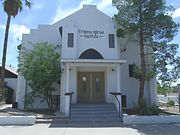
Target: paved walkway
(48, 129)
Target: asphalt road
(48, 129)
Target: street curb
(156, 119)
(17, 120)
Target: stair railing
(70, 103)
(115, 94)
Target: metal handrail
(115, 94)
(69, 94)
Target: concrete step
(92, 105)
(85, 110)
(93, 112)
(94, 108)
(90, 113)
(116, 119)
(95, 116)
(95, 124)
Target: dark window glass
(70, 39)
(111, 40)
(123, 101)
(84, 83)
(91, 54)
(61, 30)
(97, 84)
(131, 70)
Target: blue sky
(48, 12)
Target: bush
(170, 103)
(144, 109)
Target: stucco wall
(80, 21)
(130, 85)
(91, 19)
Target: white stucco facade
(91, 29)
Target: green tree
(167, 63)
(12, 8)
(41, 68)
(162, 89)
(150, 23)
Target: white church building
(94, 62)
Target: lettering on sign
(91, 33)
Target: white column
(67, 99)
(67, 78)
(119, 87)
(153, 91)
(118, 79)
(20, 93)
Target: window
(91, 54)
(84, 82)
(123, 101)
(131, 70)
(97, 84)
(70, 39)
(111, 40)
(61, 30)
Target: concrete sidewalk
(48, 129)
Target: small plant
(145, 109)
(170, 103)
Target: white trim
(10, 69)
(113, 61)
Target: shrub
(144, 109)
(170, 103)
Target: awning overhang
(106, 61)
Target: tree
(151, 25)
(12, 8)
(167, 63)
(41, 68)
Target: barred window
(131, 70)
(123, 101)
(111, 40)
(70, 39)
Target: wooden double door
(90, 87)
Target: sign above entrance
(91, 33)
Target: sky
(49, 12)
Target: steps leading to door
(94, 113)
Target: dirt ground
(169, 110)
(163, 108)
(7, 110)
